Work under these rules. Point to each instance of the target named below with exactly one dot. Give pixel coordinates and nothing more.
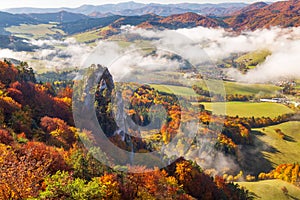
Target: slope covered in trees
(43, 158)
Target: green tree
(63, 186)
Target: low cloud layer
(200, 46)
(52, 54)
(217, 44)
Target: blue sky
(76, 3)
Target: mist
(200, 46)
(51, 54)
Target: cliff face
(103, 100)
(117, 125)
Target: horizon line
(145, 3)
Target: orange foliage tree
(58, 129)
(20, 176)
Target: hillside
(87, 24)
(8, 20)
(60, 17)
(43, 155)
(251, 7)
(254, 16)
(286, 150)
(282, 13)
(113, 16)
(186, 20)
(273, 188)
(15, 43)
(252, 59)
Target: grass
(250, 89)
(271, 189)
(230, 88)
(248, 109)
(35, 31)
(177, 90)
(243, 88)
(218, 87)
(92, 35)
(287, 150)
(87, 37)
(253, 58)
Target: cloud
(200, 45)
(52, 54)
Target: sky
(76, 3)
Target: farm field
(271, 189)
(230, 88)
(248, 109)
(250, 89)
(87, 37)
(35, 31)
(177, 90)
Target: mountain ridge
(282, 13)
(254, 16)
(130, 8)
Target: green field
(243, 88)
(88, 37)
(248, 109)
(230, 88)
(271, 189)
(287, 150)
(252, 59)
(35, 31)
(177, 90)
(250, 89)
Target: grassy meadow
(271, 189)
(248, 109)
(286, 150)
(219, 86)
(34, 31)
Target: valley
(150, 101)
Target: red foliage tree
(8, 73)
(59, 129)
(5, 137)
(46, 154)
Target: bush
(63, 186)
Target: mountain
(114, 23)
(133, 8)
(171, 9)
(84, 9)
(251, 7)
(100, 15)
(187, 20)
(61, 17)
(155, 9)
(8, 19)
(159, 16)
(87, 24)
(113, 8)
(135, 20)
(283, 14)
(15, 43)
